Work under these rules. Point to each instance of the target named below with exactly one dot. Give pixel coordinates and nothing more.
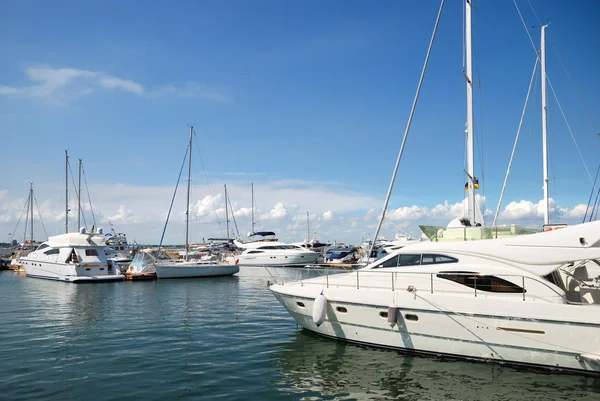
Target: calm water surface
(218, 338)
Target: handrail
(396, 274)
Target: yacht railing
(364, 279)
(471, 233)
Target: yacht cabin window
(52, 251)
(91, 252)
(42, 247)
(406, 259)
(482, 282)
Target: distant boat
(166, 267)
(271, 252)
(71, 257)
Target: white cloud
(278, 212)
(328, 215)
(60, 85)
(123, 216)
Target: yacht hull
(278, 260)
(542, 343)
(66, 272)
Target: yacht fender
(392, 316)
(319, 309)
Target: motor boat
(72, 257)
(524, 300)
(272, 252)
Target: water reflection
(317, 367)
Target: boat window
(52, 252)
(91, 252)
(42, 246)
(482, 282)
(429, 259)
(255, 252)
(409, 260)
(391, 262)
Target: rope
(228, 201)
(78, 197)
(207, 183)
(408, 124)
(173, 198)
(515, 144)
(40, 213)
(88, 194)
(19, 220)
(590, 199)
(466, 315)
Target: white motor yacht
(526, 300)
(274, 253)
(71, 257)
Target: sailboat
(164, 266)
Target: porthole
(341, 309)
(300, 304)
(409, 316)
(87, 268)
(383, 314)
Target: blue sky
(308, 100)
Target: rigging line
(26, 218)
(579, 98)
(591, 194)
(228, 200)
(173, 198)
(40, 214)
(88, 195)
(19, 220)
(525, 26)
(467, 316)
(516, 140)
(212, 203)
(570, 131)
(78, 197)
(408, 124)
(479, 137)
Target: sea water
(223, 338)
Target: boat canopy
(261, 233)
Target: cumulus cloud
(278, 212)
(123, 216)
(60, 85)
(328, 215)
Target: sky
(308, 101)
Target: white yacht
(273, 253)
(522, 300)
(71, 257)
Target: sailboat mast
(252, 185)
(187, 203)
(544, 127)
(79, 198)
(470, 139)
(307, 228)
(226, 212)
(31, 211)
(66, 191)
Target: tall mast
(31, 211)
(252, 185)
(187, 204)
(79, 198)
(307, 228)
(226, 212)
(66, 191)
(470, 139)
(544, 127)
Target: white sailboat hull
(492, 336)
(194, 269)
(67, 272)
